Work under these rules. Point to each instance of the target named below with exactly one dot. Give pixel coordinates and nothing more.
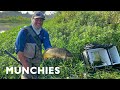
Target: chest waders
(37, 41)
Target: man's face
(37, 22)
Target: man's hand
(22, 59)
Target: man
(27, 50)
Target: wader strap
(35, 37)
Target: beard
(37, 27)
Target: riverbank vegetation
(71, 30)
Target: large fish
(57, 53)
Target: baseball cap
(38, 14)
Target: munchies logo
(33, 70)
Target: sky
(31, 12)
(49, 12)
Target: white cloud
(24, 12)
(49, 12)
(31, 12)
